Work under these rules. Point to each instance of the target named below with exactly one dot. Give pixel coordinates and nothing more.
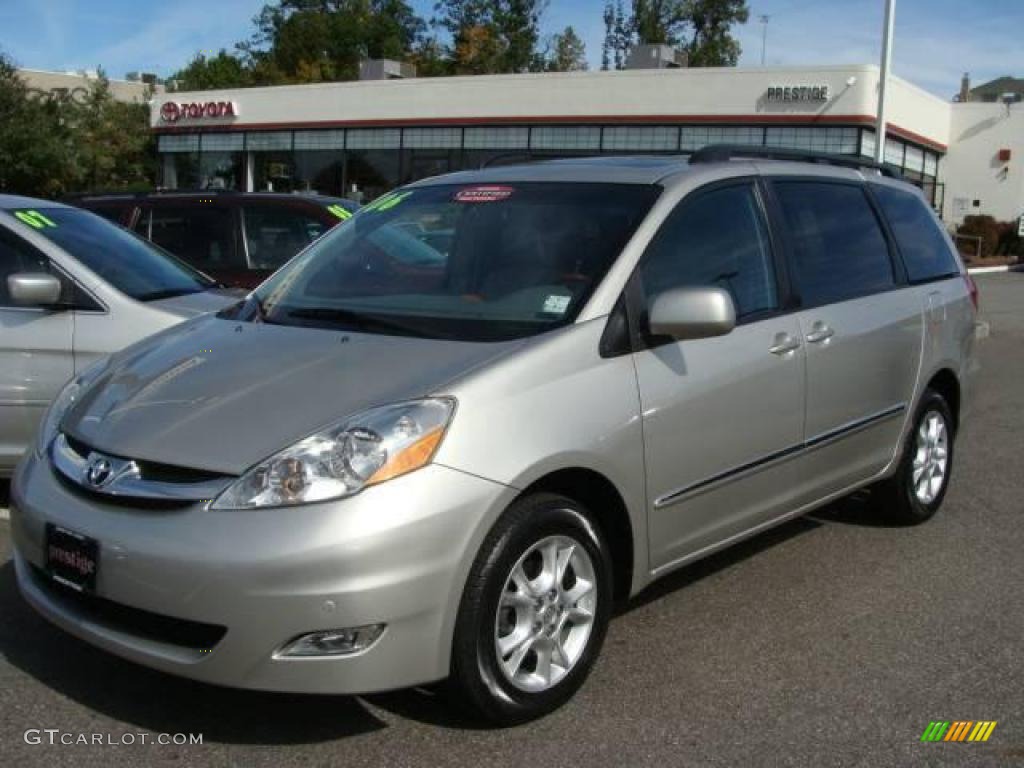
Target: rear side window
(839, 251)
(925, 251)
(202, 236)
(717, 238)
(274, 235)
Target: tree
(492, 36)
(618, 36)
(323, 40)
(702, 28)
(54, 145)
(712, 44)
(661, 21)
(202, 73)
(33, 139)
(567, 52)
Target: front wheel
(534, 612)
(915, 493)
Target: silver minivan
(442, 441)
(73, 288)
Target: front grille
(151, 470)
(184, 633)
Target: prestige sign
(791, 93)
(172, 111)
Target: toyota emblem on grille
(98, 472)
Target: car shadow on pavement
(150, 699)
(130, 693)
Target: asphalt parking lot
(833, 640)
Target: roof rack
(720, 153)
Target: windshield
(468, 262)
(130, 264)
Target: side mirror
(34, 289)
(692, 313)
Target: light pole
(883, 83)
(764, 36)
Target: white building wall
(972, 169)
(704, 93)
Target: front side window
(274, 235)
(129, 263)
(718, 239)
(466, 262)
(925, 251)
(202, 236)
(839, 251)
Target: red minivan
(238, 238)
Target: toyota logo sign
(172, 111)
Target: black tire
(896, 496)
(476, 679)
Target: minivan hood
(220, 395)
(192, 304)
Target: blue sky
(936, 40)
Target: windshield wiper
(351, 317)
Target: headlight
(64, 400)
(374, 446)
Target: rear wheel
(915, 493)
(534, 612)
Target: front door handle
(784, 344)
(819, 333)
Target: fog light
(333, 642)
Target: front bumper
(395, 554)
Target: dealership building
(359, 139)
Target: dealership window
(640, 138)
(221, 161)
(180, 166)
(374, 138)
(370, 173)
(274, 172)
(834, 140)
(325, 139)
(432, 138)
(894, 152)
(497, 137)
(693, 137)
(320, 171)
(422, 163)
(572, 137)
(267, 141)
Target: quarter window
(839, 251)
(925, 251)
(719, 239)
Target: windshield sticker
(487, 194)
(556, 305)
(342, 213)
(35, 219)
(388, 201)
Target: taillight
(972, 288)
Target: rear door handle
(819, 333)
(784, 344)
